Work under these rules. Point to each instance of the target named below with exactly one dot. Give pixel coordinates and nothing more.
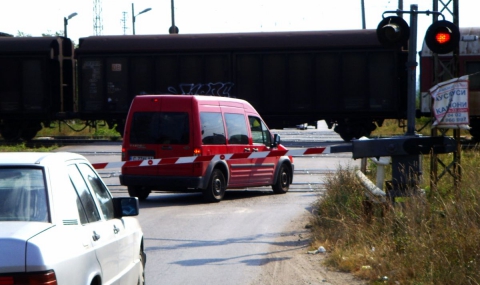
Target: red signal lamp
(442, 37)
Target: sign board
(450, 104)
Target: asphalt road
(190, 242)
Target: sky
(34, 17)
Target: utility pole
(124, 23)
(444, 71)
(97, 18)
(173, 29)
(364, 26)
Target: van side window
(260, 132)
(236, 129)
(213, 131)
(160, 128)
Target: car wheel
(216, 187)
(283, 181)
(141, 274)
(141, 192)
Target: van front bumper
(165, 183)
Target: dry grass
(434, 239)
(422, 126)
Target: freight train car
(468, 63)
(343, 77)
(36, 84)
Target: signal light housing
(442, 37)
(393, 32)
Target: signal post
(441, 37)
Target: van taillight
(124, 155)
(38, 278)
(197, 152)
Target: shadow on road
(162, 199)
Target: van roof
(199, 98)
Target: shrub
(430, 239)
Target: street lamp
(135, 16)
(65, 22)
(173, 29)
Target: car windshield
(23, 195)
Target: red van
(163, 126)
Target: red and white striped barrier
(192, 159)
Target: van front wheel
(141, 192)
(283, 181)
(216, 187)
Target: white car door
(124, 240)
(103, 231)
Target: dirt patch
(288, 261)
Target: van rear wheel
(216, 187)
(283, 180)
(141, 192)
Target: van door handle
(166, 147)
(246, 149)
(255, 149)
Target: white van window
(160, 128)
(213, 130)
(260, 132)
(236, 129)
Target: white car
(59, 224)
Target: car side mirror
(125, 206)
(276, 140)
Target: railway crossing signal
(442, 37)
(393, 32)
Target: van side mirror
(276, 140)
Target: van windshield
(160, 128)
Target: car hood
(13, 238)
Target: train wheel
(346, 136)
(363, 130)
(120, 128)
(10, 132)
(345, 131)
(475, 132)
(349, 130)
(30, 131)
(475, 129)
